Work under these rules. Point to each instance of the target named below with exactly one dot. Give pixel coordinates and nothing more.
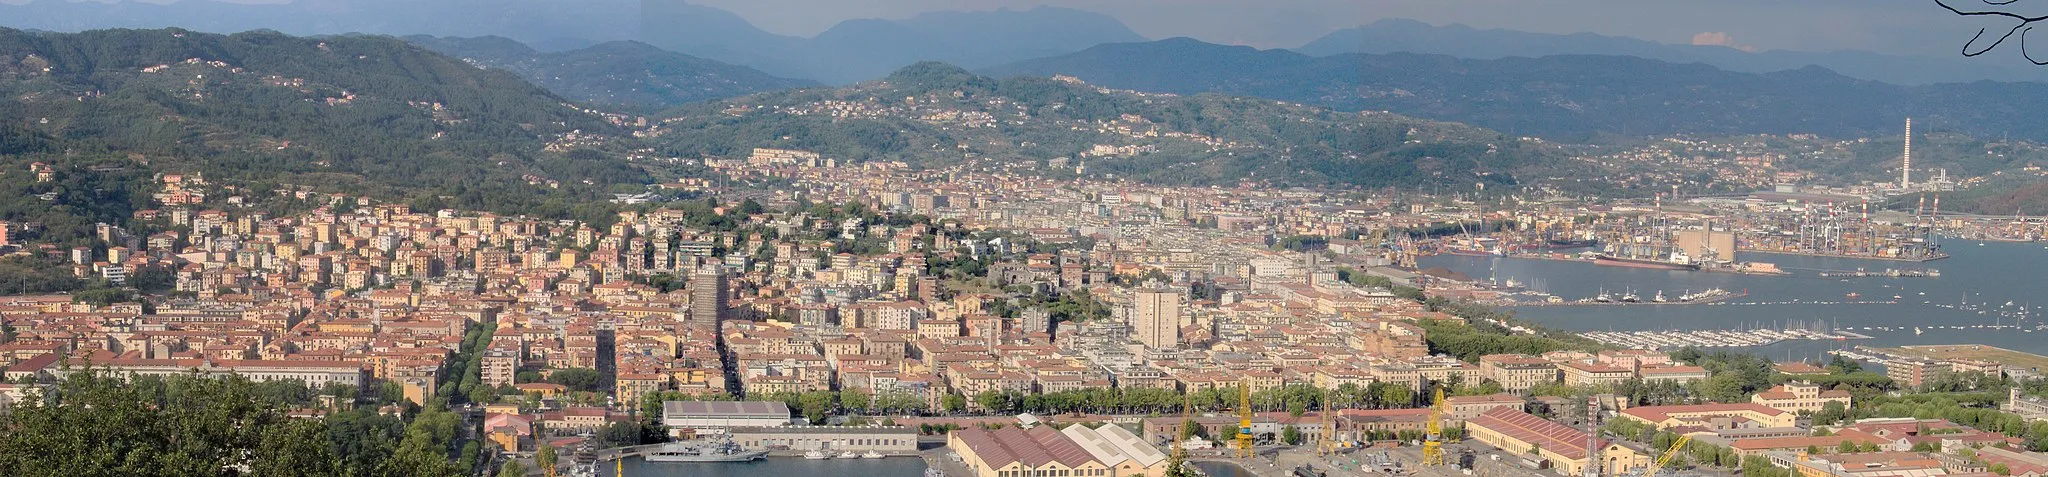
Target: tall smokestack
(1906, 172)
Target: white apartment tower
(1155, 317)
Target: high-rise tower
(1906, 171)
(1156, 317)
(709, 297)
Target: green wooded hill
(933, 113)
(370, 115)
(625, 74)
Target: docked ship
(704, 452)
(1471, 250)
(1677, 262)
(1565, 244)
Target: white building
(714, 417)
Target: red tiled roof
(1660, 413)
(1525, 427)
(1032, 448)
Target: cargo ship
(1676, 262)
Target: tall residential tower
(1155, 317)
(709, 296)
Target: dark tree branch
(2025, 25)
(2023, 48)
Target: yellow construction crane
(1180, 448)
(1668, 454)
(1433, 441)
(1244, 421)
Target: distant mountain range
(1410, 36)
(932, 114)
(852, 51)
(1566, 97)
(618, 73)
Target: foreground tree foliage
(95, 424)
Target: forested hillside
(933, 113)
(359, 115)
(617, 74)
(1566, 97)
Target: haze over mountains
(852, 51)
(654, 54)
(617, 73)
(1565, 97)
(1410, 36)
(858, 50)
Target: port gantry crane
(1244, 420)
(1433, 441)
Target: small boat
(849, 455)
(1854, 295)
(817, 455)
(871, 455)
(1659, 298)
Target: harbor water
(1988, 293)
(773, 467)
(1222, 469)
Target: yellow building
(1578, 373)
(1517, 372)
(1560, 447)
(1711, 416)
(1797, 397)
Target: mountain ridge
(621, 73)
(365, 115)
(857, 51)
(940, 114)
(1562, 97)
(1405, 35)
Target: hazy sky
(1895, 26)
(1918, 27)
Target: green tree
(953, 403)
(545, 458)
(1830, 413)
(576, 379)
(178, 425)
(857, 400)
(512, 469)
(297, 448)
(1291, 435)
